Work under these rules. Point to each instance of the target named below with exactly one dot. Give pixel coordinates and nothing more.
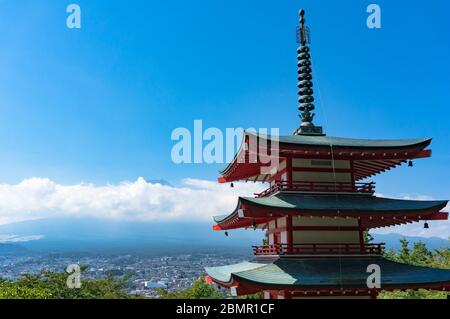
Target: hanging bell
(226, 233)
(254, 224)
(426, 226)
(410, 164)
(232, 185)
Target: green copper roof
(344, 203)
(327, 272)
(311, 140)
(221, 218)
(337, 142)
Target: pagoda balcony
(319, 249)
(319, 187)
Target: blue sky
(98, 105)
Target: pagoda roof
(370, 208)
(342, 142)
(371, 156)
(327, 273)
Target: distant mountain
(393, 241)
(92, 235)
(106, 236)
(12, 249)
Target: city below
(147, 273)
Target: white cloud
(6, 239)
(194, 200)
(439, 228)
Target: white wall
(325, 237)
(319, 221)
(318, 176)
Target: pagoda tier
(320, 277)
(318, 207)
(357, 158)
(308, 224)
(315, 214)
(369, 211)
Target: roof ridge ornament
(305, 84)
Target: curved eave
(321, 274)
(358, 144)
(373, 211)
(342, 142)
(341, 203)
(236, 156)
(382, 154)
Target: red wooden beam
(365, 171)
(241, 168)
(357, 155)
(208, 279)
(320, 170)
(369, 219)
(252, 211)
(437, 216)
(244, 287)
(314, 228)
(371, 168)
(373, 164)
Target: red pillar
(289, 171)
(289, 234)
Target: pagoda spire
(305, 84)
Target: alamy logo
(74, 19)
(74, 279)
(374, 279)
(374, 19)
(212, 146)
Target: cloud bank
(193, 200)
(8, 239)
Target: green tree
(10, 290)
(53, 285)
(404, 254)
(419, 255)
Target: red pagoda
(318, 208)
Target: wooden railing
(319, 249)
(324, 187)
